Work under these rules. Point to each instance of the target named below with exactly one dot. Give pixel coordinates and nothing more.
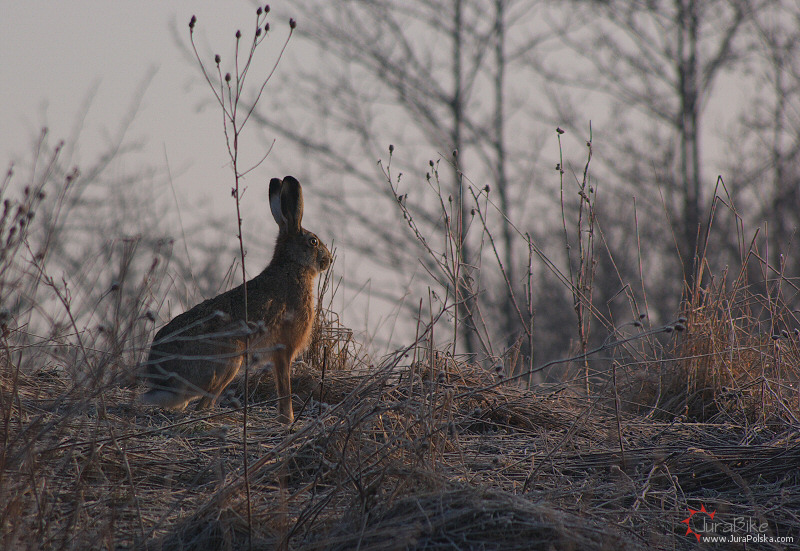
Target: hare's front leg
(282, 366)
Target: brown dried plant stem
(230, 99)
(581, 286)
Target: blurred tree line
(544, 244)
(677, 91)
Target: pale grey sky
(53, 54)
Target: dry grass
(429, 455)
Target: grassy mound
(427, 454)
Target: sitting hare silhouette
(199, 352)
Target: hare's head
(295, 243)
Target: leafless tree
(765, 150)
(659, 63)
(423, 76)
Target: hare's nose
(325, 261)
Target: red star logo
(688, 521)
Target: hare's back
(210, 315)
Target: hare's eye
(313, 241)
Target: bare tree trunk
(689, 140)
(465, 300)
(509, 320)
(785, 198)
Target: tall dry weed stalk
(581, 268)
(456, 297)
(230, 94)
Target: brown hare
(199, 352)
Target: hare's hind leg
(282, 360)
(206, 402)
(219, 383)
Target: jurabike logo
(688, 521)
(703, 526)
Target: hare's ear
(291, 203)
(275, 201)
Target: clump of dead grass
(737, 362)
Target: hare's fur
(199, 352)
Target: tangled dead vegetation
(415, 455)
